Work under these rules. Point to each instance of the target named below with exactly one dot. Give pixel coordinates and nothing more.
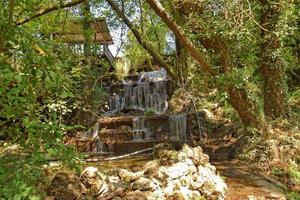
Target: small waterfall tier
(119, 131)
(178, 127)
(148, 93)
(144, 96)
(140, 124)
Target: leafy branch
(51, 8)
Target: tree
(139, 38)
(38, 89)
(272, 68)
(237, 96)
(157, 7)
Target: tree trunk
(142, 42)
(272, 69)
(245, 108)
(181, 61)
(160, 11)
(238, 97)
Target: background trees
(241, 38)
(248, 50)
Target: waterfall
(178, 126)
(143, 96)
(100, 146)
(139, 127)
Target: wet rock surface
(174, 175)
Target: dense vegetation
(246, 51)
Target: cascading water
(100, 146)
(139, 127)
(178, 126)
(148, 95)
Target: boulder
(183, 175)
(188, 151)
(135, 195)
(212, 184)
(151, 168)
(64, 186)
(92, 179)
(171, 187)
(199, 157)
(143, 184)
(177, 170)
(167, 157)
(128, 176)
(188, 194)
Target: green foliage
(293, 196)
(149, 112)
(294, 173)
(41, 84)
(152, 29)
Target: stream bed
(241, 181)
(134, 163)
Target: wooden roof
(73, 32)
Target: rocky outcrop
(184, 175)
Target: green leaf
(48, 82)
(17, 197)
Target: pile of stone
(181, 175)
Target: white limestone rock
(151, 168)
(212, 184)
(199, 157)
(188, 151)
(143, 184)
(128, 176)
(92, 179)
(176, 170)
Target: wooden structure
(73, 33)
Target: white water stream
(178, 126)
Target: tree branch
(160, 11)
(142, 42)
(51, 8)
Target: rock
(188, 151)
(277, 195)
(92, 179)
(211, 167)
(212, 184)
(135, 195)
(112, 195)
(184, 193)
(187, 181)
(177, 175)
(151, 168)
(128, 176)
(199, 157)
(52, 168)
(171, 187)
(207, 114)
(64, 186)
(182, 156)
(117, 198)
(158, 193)
(142, 184)
(177, 170)
(167, 157)
(189, 194)
(149, 195)
(114, 182)
(251, 197)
